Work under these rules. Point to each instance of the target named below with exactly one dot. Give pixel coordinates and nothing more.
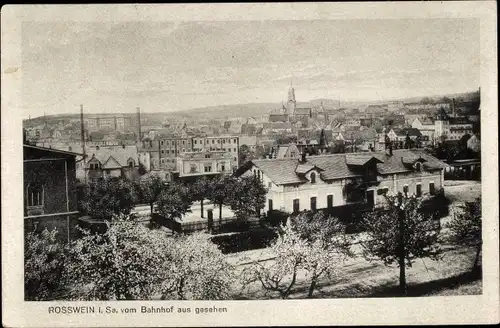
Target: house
(326, 181)
(426, 127)
(106, 162)
(50, 190)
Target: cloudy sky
(167, 66)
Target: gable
(111, 163)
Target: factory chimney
(453, 107)
(139, 135)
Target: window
(313, 177)
(313, 204)
(270, 204)
(207, 156)
(234, 150)
(162, 151)
(222, 168)
(35, 195)
(329, 201)
(161, 142)
(405, 189)
(370, 197)
(296, 206)
(208, 168)
(213, 141)
(419, 190)
(195, 141)
(234, 140)
(432, 190)
(418, 166)
(383, 191)
(131, 163)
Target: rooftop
(339, 166)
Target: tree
(174, 201)
(106, 198)
(401, 234)
(245, 154)
(221, 191)
(248, 197)
(197, 271)
(199, 191)
(327, 243)
(279, 275)
(120, 264)
(151, 189)
(310, 244)
(466, 227)
(43, 263)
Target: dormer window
(418, 166)
(313, 177)
(131, 163)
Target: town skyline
(169, 67)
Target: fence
(65, 223)
(214, 226)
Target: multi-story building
(164, 149)
(452, 128)
(206, 162)
(325, 181)
(115, 122)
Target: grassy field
(357, 277)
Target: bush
(244, 241)
(43, 265)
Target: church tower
(291, 100)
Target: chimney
(453, 107)
(139, 136)
(303, 157)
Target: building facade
(50, 194)
(325, 181)
(198, 163)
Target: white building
(317, 182)
(204, 163)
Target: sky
(171, 66)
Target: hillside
(258, 109)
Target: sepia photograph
(250, 160)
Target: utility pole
(401, 246)
(82, 128)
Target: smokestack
(139, 137)
(453, 107)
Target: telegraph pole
(401, 246)
(82, 127)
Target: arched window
(131, 163)
(418, 166)
(313, 177)
(35, 195)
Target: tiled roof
(335, 166)
(119, 154)
(359, 160)
(304, 168)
